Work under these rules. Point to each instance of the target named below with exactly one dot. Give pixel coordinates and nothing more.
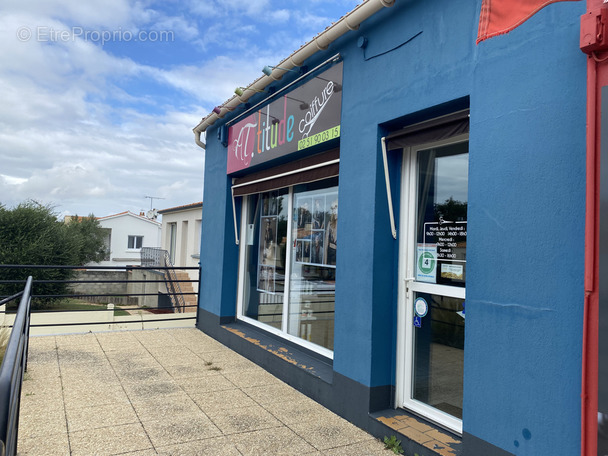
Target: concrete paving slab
(94, 417)
(42, 355)
(57, 445)
(54, 422)
(216, 401)
(126, 353)
(243, 419)
(42, 342)
(218, 446)
(151, 388)
(181, 430)
(274, 441)
(139, 375)
(330, 433)
(205, 384)
(76, 340)
(189, 370)
(168, 392)
(257, 377)
(298, 411)
(36, 370)
(165, 408)
(109, 440)
(275, 392)
(97, 397)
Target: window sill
(310, 362)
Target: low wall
(148, 287)
(115, 289)
(98, 321)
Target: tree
(31, 234)
(452, 210)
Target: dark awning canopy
(310, 169)
(429, 131)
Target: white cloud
(75, 12)
(92, 128)
(282, 15)
(237, 9)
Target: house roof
(130, 214)
(185, 207)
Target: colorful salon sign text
(307, 116)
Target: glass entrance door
(433, 272)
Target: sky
(98, 99)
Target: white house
(127, 234)
(181, 234)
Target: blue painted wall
(417, 57)
(526, 237)
(219, 252)
(526, 210)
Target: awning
(437, 129)
(310, 169)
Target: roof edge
(320, 42)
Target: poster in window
(317, 252)
(331, 229)
(304, 217)
(268, 247)
(270, 204)
(266, 279)
(303, 251)
(316, 221)
(268, 241)
(318, 213)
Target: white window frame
(407, 287)
(242, 274)
(135, 237)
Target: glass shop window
(265, 254)
(312, 279)
(290, 262)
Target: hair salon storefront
(445, 312)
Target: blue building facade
(492, 134)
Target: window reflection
(312, 270)
(442, 212)
(265, 254)
(313, 273)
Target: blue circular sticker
(421, 307)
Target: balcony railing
(119, 297)
(14, 365)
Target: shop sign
(307, 116)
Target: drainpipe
(321, 42)
(594, 42)
(197, 139)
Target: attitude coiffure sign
(306, 116)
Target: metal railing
(14, 365)
(130, 293)
(159, 258)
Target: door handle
(407, 281)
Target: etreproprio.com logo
(52, 35)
